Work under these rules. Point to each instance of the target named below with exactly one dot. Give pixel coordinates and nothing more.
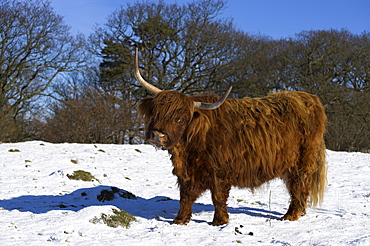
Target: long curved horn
(140, 79)
(211, 106)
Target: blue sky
(275, 18)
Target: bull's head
(169, 113)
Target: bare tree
(85, 113)
(184, 46)
(35, 47)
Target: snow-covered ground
(40, 205)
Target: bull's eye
(181, 121)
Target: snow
(40, 205)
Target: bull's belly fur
(246, 169)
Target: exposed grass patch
(74, 161)
(118, 218)
(14, 150)
(82, 175)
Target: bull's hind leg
(298, 184)
(188, 194)
(299, 180)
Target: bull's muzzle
(158, 138)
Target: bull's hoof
(180, 221)
(293, 216)
(290, 217)
(218, 222)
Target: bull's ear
(197, 130)
(145, 107)
(196, 115)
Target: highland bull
(217, 143)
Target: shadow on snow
(159, 207)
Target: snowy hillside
(41, 205)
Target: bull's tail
(319, 178)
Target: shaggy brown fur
(243, 143)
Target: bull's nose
(158, 137)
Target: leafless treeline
(64, 88)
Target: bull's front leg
(188, 194)
(220, 194)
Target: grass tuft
(14, 150)
(82, 175)
(118, 218)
